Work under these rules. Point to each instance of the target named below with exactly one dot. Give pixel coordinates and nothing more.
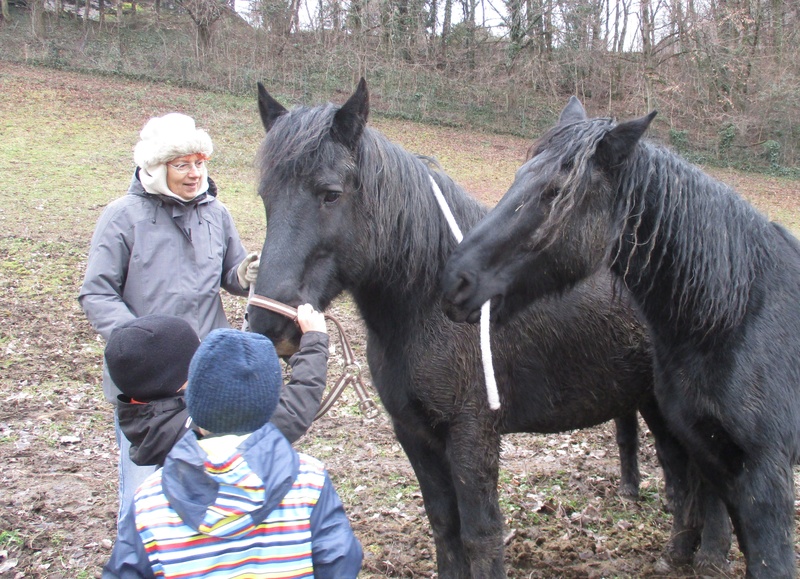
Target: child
(148, 360)
(236, 500)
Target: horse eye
(549, 193)
(331, 197)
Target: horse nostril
(463, 287)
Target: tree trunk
(646, 29)
(356, 16)
(204, 36)
(446, 21)
(37, 18)
(516, 30)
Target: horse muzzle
(282, 330)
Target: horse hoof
(628, 492)
(670, 562)
(663, 567)
(712, 566)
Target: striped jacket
(264, 512)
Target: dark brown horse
(347, 210)
(716, 282)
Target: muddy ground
(58, 480)
(559, 492)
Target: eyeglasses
(184, 168)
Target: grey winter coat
(153, 255)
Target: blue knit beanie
(235, 382)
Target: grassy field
(66, 143)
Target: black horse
(717, 283)
(347, 210)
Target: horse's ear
(573, 112)
(268, 108)
(620, 141)
(350, 120)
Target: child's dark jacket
(153, 427)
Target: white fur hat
(165, 138)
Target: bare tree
(281, 16)
(204, 13)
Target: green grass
(10, 539)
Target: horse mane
(672, 223)
(409, 226)
(409, 235)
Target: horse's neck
(401, 288)
(688, 247)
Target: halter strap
(352, 369)
(486, 347)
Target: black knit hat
(235, 382)
(148, 357)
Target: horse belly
(586, 359)
(556, 399)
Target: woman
(167, 247)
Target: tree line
(722, 73)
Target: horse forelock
(294, 144)
(565, 153)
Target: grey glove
(247, 272)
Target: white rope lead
(486, 348)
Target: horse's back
(791, 242)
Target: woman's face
(185, 174)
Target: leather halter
(352, 369)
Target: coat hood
(136, 188)
(228, 497)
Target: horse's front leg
(426, 452)
(473, 450)
(684, 489)
(761, 503)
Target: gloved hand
(247, 271)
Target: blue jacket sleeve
(128, 558)
(335, 550)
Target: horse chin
(474, 317)
(286, 347)
(458, 313)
